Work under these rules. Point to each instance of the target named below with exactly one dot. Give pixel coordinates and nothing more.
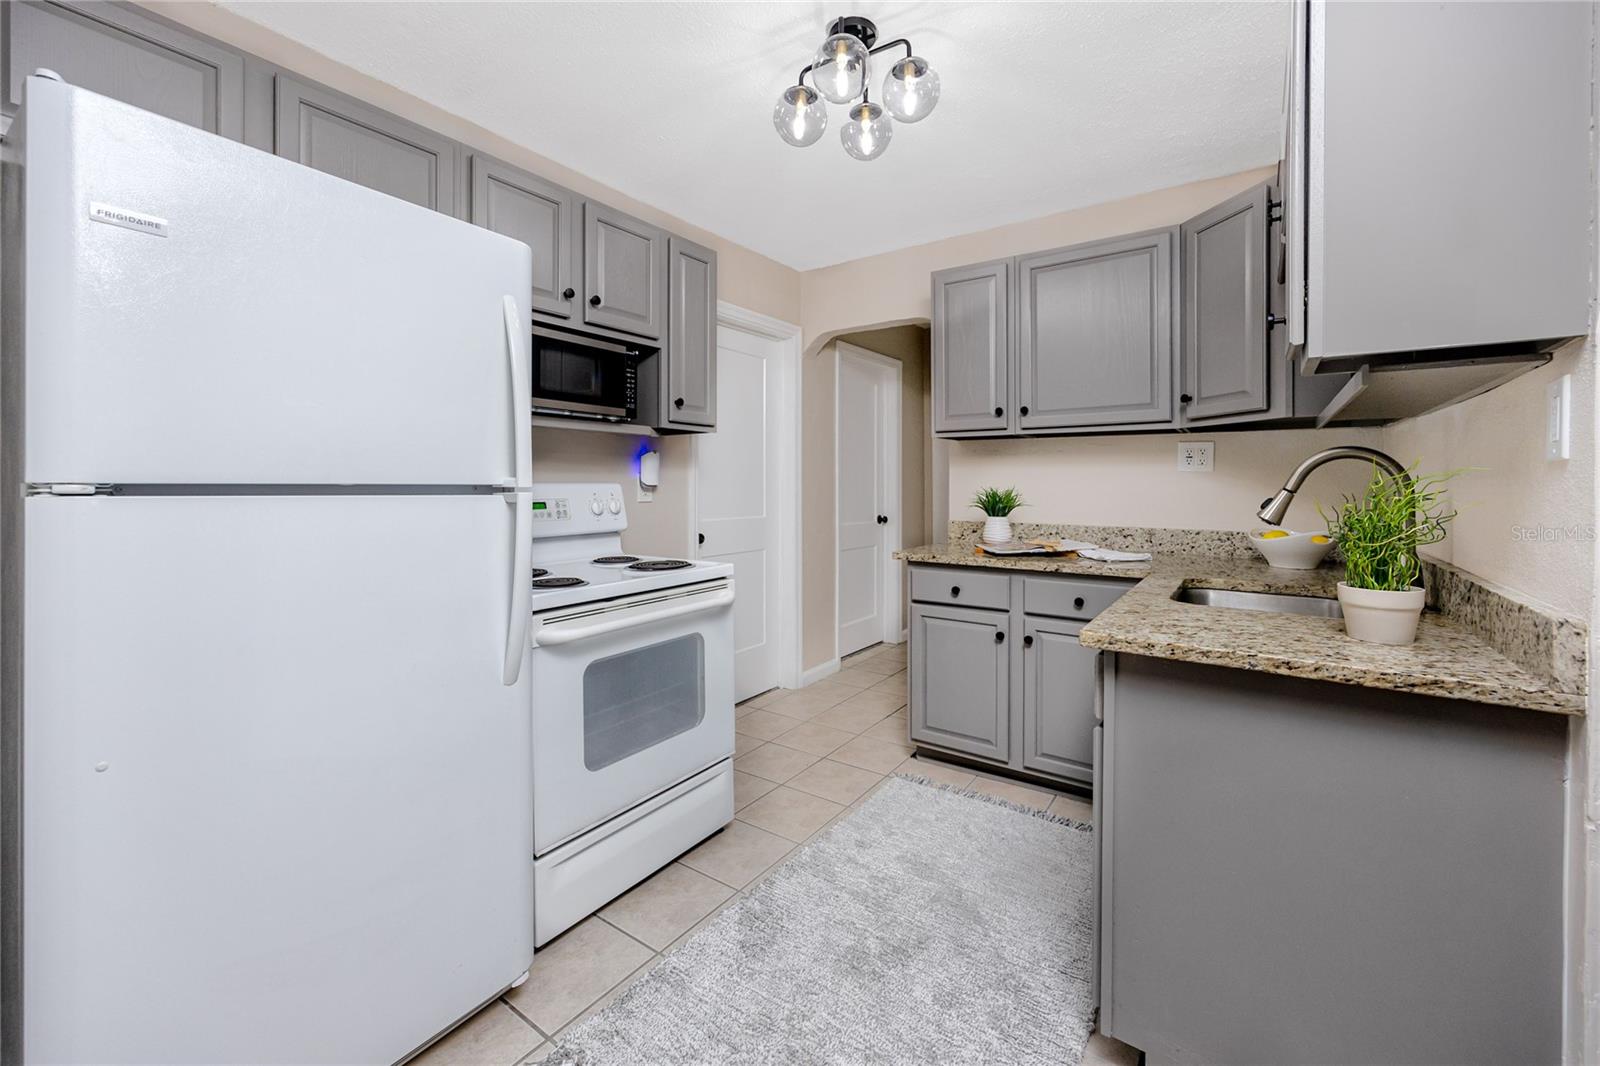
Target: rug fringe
(998, 801)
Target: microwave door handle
(517, 360)
(555, 636)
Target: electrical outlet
(644, 495)
(1194, 457)
(1558, 418)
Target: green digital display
(538, 505)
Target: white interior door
(867, 461)
(737, 478)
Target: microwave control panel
(573, 509)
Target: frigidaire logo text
(133, 220)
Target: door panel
(345, 337)
(1058, 699)
(860, 501)
(1096, 341)
(540, 215)
(624, 270)
(268, 747)
(691, 397)
(971, 348)
(960, 671)
(119, 53)
(736, 478)
(1225, 285)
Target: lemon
(1319, 539)
(1273, 534)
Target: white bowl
(1297, 551)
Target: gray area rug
(929, 926)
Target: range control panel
(569, 509)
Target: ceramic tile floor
(804, 758)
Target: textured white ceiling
(1045, 107)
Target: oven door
(630, 697)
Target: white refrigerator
(266, 602)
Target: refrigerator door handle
(521, 395)
(520, 616)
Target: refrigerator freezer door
(200, 312)
(279, 805)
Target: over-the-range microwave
(584, 377)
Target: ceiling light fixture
(839, 74)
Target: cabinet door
(960, 680)
(1095, 346)
(692, 335)
(624, 272)
(349, 139)
(117, 52)
(971, 348)
(1058, 699)
(537, 213)
(1225, 283)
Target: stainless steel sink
(1321, 606)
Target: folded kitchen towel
(1111, 555)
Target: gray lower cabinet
(624, 272)
(1225, 282)
(971, 348)
(1095, 340)
(960, 679)
(119, 52)
(1058, 699)
(540, 214)
(335, 134)
(690, 396)
(1297, 871)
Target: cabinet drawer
(961, 587)
(1079, 597)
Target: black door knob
(1185, 398)
(955, 590)
(999, 638)
(678, 402)
(998, 411)
(568, 293)
(702, 539)
(594, 301)
(1027, 641)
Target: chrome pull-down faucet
(1273, 510)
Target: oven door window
(642, 697)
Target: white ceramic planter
(997, 530)
(1381, 617)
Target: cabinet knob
(998, 411)
(1027, 641)
(594, 301)
(568, 293)
(883, 520)
(1077, 603)
(1023, 410)
(1186, 398)
(678, 402)
(955, 590)
(999, 637)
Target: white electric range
(632, 674)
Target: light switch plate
(1558, 418)
(1194, 457)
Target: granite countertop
(1450, 658)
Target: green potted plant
(1379, 533)
(997, 505)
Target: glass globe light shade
(840, 70)
(800, 117)
(910, 89)
(866, 131)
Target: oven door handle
(555, 636)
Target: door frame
(891, 589)
(783, 436)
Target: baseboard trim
(818, 672)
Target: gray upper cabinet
(1058, 697)
(1225, 287)
(541, 215)
(624, 272)
(971, 348)
(960, 680)
(692, 335)
(119, 52)
(352, 140)
(1095, 346)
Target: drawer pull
(955, 590)
(1027, 641)
(1077, 602)
(999, 637)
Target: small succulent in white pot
(997, 505)
(1379, 533)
